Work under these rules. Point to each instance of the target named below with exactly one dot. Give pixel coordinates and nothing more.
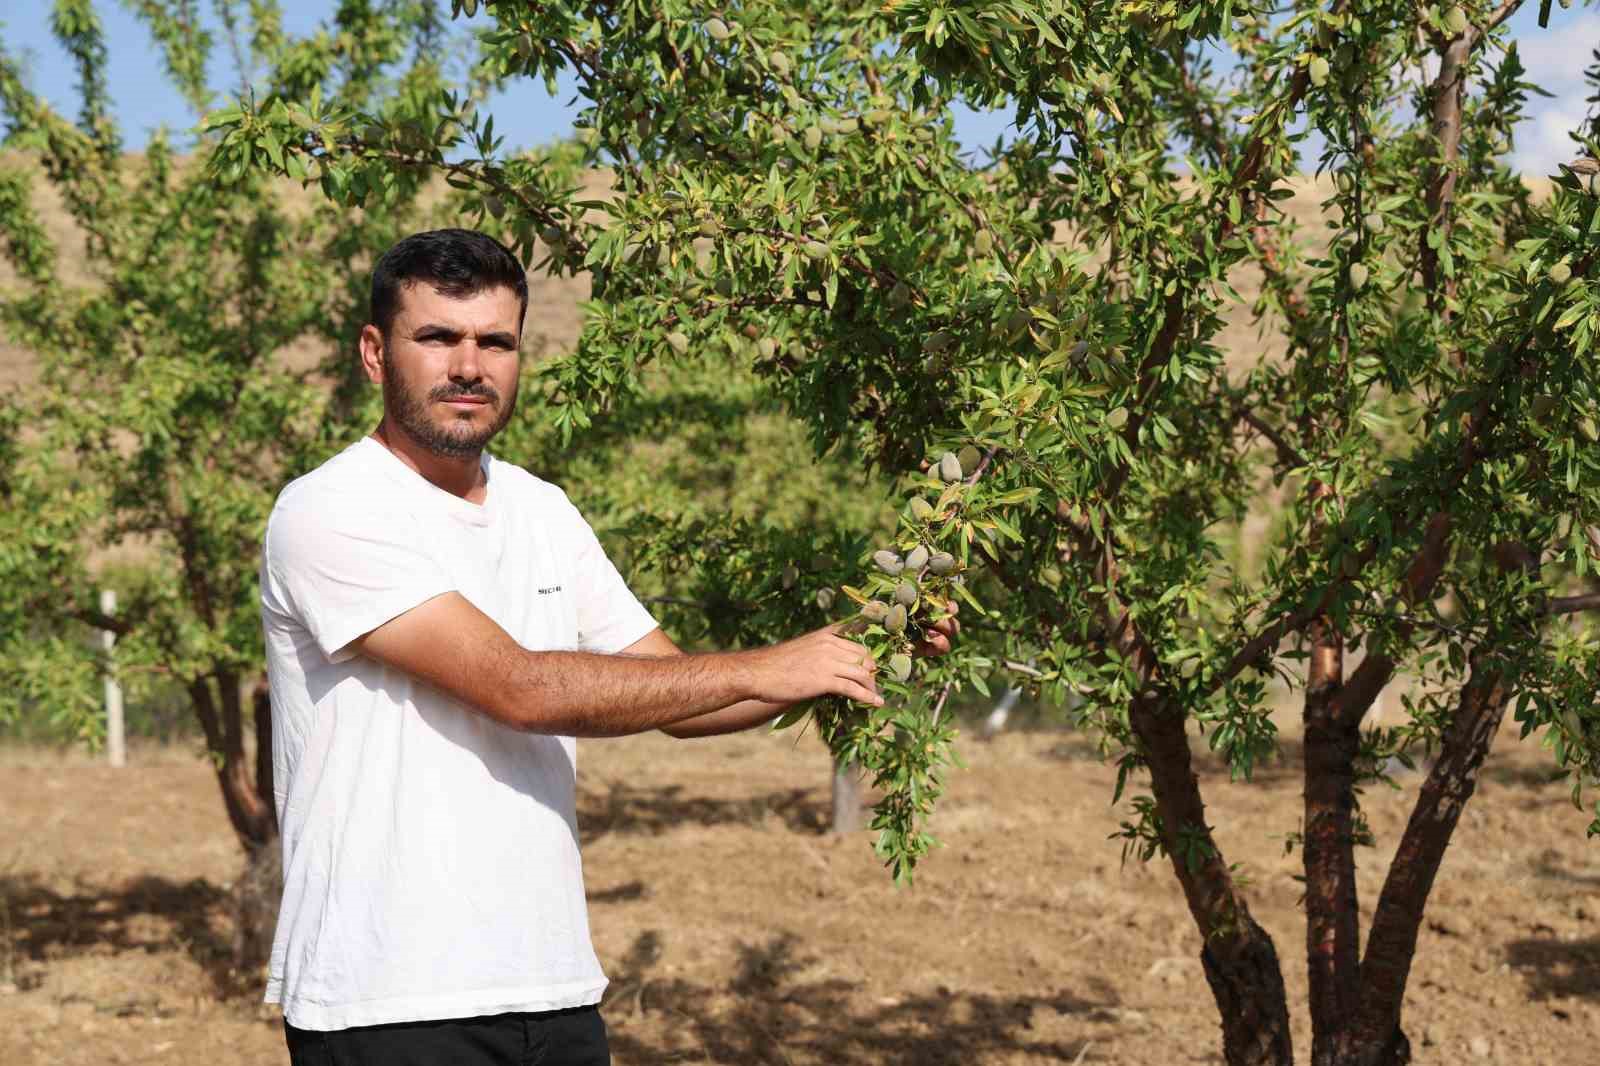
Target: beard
(454, 438)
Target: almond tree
(1030, 345)
(183, 376)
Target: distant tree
(199, 364)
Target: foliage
(786, 190)
(192, 359)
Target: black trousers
(575, 1037)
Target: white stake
(116, 747)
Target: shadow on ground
(1555, 969)
(770, 1011)
(622, 808)
(148, 914)
(1551, 865)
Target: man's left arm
(747, 714)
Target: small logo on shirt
(548, 591)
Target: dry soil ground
(737, 932)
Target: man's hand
(937, 638)
(820, 663)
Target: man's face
(449, 367)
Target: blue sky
(525, 115)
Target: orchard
(787, 197)
(182, 380)
(1013, 377)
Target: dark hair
(456, 262)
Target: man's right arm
(450, 644)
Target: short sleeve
(610, 617)
(342, 569)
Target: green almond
(889, 562)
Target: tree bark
(261, 715)
(1332, 916)
(1328, 837)
(1333, 739)
(1241, 965)
(248, 799)
(1375, 1037)
(1246, 981)
(846, 797)
(255, 822)
(1447, 92)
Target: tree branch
(1288, 455)
(90, 617)
(1572, 604)
(205, 708)
(1376, 670)
(1500, 14)
(1393, 938)
(1446, 94)
(1332, 914)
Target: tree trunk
(1447, 91)
(1375, 1038)
(247, 796)
(1247, 982)
(846, 796)
(1333, 958)
(1240, 962)
(1333, 931)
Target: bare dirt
(736, 931)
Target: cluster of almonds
(917, 563)
(915, 566)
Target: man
(440, 626)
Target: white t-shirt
(430, 854)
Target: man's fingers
(859, 693)
(861, 675)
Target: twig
(1288, 455)
(944, 694)
(1573, 604)
(972, 478)
(1501, 13)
